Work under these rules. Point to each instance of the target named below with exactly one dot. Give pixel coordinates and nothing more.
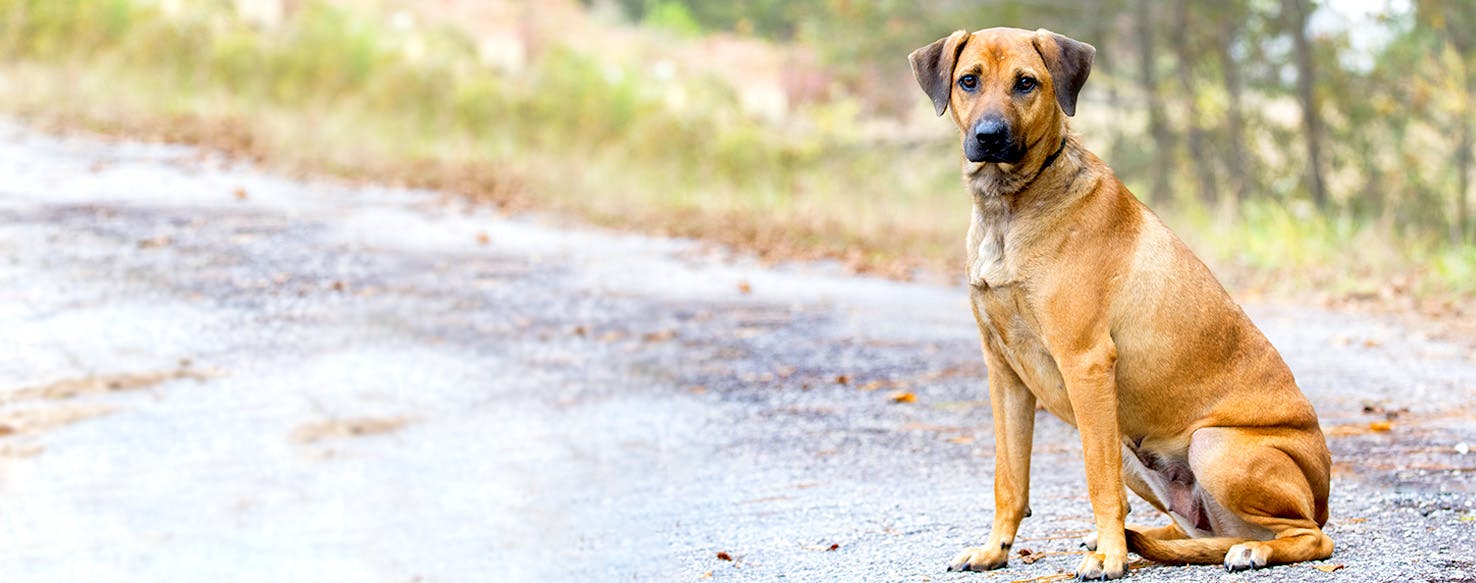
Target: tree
(1163, 140)
(1300, 12)
(1185, 57)
(1231, 16)
(1454, 19)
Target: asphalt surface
(216, 374)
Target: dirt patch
(36, 420)
(110, 383)
(19, 450)
(343, 428)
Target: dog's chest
(1008, 325)
(1013, 333)
(989, 252)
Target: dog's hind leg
(1271, 487)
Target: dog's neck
(1019, 180)
(1005, 196)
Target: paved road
(215, 374)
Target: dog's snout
(993, 141)
(991, 130)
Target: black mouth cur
(1091, 307)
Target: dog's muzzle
(992, 142)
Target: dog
(1090, 307)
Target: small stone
(1463, 448)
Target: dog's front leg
(1091, 386)
(1014, 429)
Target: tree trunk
(1235, 159)
(1199, 157)
(1102, 25)
(1301, 10)
(1103, 32)
(1157, 126)
(1463, 165)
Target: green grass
(344, 94)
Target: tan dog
(1090, 306)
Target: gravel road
(217, 374)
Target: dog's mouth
(997, 153)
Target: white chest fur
(988, 253)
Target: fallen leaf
(240, 193)
(580, 331)
(659, 336)
(902, 397)
(961, 440)
(744, 288)
(1327, 568)
(841, 379)
(1030, 557)
(1380, 426)
(483, 238)
(154, 242)
(834, 546)
(338, 286)
(723, 555)
(1371, 343)
(871, 386)
(707, 575)
(611, 336)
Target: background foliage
(1330, 140)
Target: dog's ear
(1069, 60)
(933, 67)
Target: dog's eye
(1025, 84)
(969, 82)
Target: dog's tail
(1195, 551)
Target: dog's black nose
(991, 131)
(993, 142)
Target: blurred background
(1300, 145)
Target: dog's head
(1007, 88)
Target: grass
(344, 94)
(1292, 248)
(340, 93)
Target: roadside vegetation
(859, 173)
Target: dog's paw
(1090, 541)
(1100, 567)
(980, 559)
(1247, 556)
